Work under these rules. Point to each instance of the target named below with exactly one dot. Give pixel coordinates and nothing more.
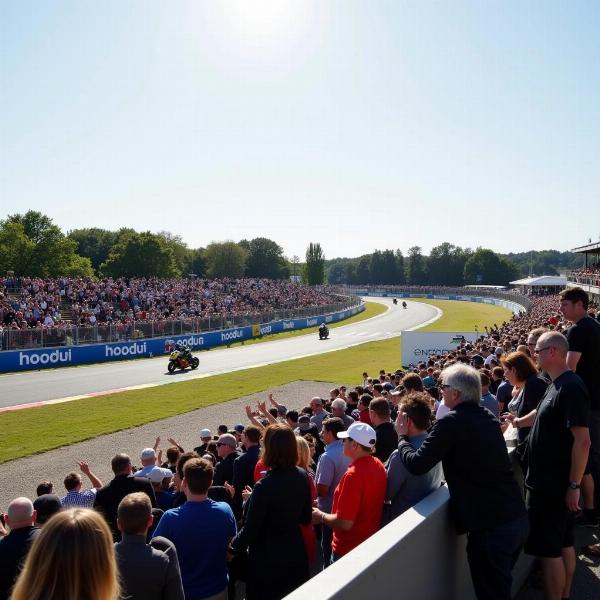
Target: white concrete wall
(418, 555)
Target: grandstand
(588, 277)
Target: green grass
(36, 430)
(372, 310)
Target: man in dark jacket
(15, 546)
(108, 497)
(243, 466)
(148, 571)
(227, 450)
(484, 496)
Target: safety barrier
(418, 555)
(22, 360)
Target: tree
(416, 272)
(225, 259)
(363, 270)
(485, 267)
(37, 247)
(336, 273)
(295, 261)
(314, 269)
(94, 243)
(195, 263)
(141, 255)
(401, 270)
(265, 259)
(350, 273)
(446, 265)
(179, 247)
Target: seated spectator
(148, 571)
(279, 504)
(387, 438)
(46, 506)
(20, 519)
(72, 558)
(108, 497)
(73, 484)
(404, 490)
(359, 496)
(201, 530)
(488, 400)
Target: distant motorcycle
(323, 332)
(395, 301)
(404, 305)
(180, 359)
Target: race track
(44, 385)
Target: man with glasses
(485, 498)
(559, 443)
(227, 451)
(359, 496)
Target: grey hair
(339, 403)
(464, 379)
(556, 340)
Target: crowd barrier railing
(73, 335)
(39, 358)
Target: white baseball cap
(205, 433)
(360, 432)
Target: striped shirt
(83, 499)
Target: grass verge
(36, 430)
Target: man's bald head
(20, 513)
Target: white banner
(418, 346)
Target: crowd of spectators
(41, 304)
(589, 275)
(258, 508)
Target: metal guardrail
(72, 335)
(390, 290)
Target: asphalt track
(47, 385)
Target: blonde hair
(303, 452)
(73, 558)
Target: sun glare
(262, 18)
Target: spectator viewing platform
(588, 277)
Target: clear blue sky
(359, 124)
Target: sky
(361, 125)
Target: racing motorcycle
(323, 332)
(182, 359)
(395, 301)
(404, 305)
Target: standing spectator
(363, 408)
(20, 518)
(227, 450)
(108, 498)
(488, 400)
(72, 558)
(332, 465)
(46, 506)
(404, 489)
(584, 359)
(387, 438)
(359, 496)
(319, 413)
(559, 443)
(338, 409)
(278, 505)
(205, 439)
(201, 530)
(148, 459)
(243, 467)
(73, 484)
(485, 498)
(148, 571)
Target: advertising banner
(64, 356)
(418, 347)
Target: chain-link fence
(71, 335)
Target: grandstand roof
(595, 247)
(542, 280)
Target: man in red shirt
(359, 496)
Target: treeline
(32, 245)
(446, 265)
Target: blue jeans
(334, 557)
(492, 554)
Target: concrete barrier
(416, 556)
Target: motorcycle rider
(184, 351)
(323, 331)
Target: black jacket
(243, 471)
(13, 551)
(224, 470)
(108, 497)
(149, 571)
(477, 469)
(277, 559)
